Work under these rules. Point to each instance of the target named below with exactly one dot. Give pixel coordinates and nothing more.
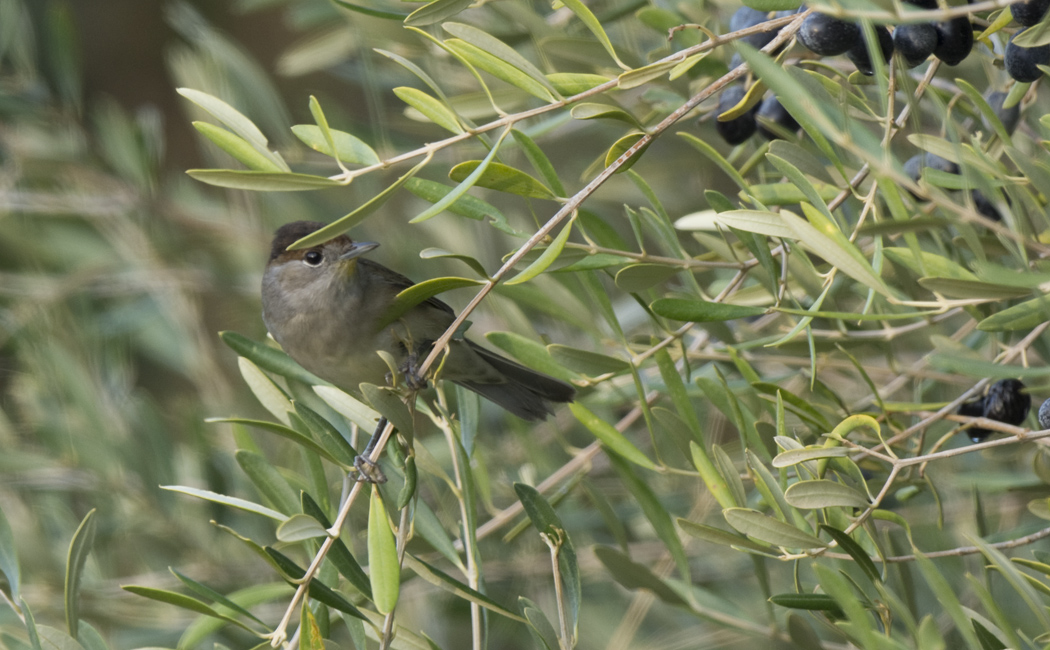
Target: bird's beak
(357, 249)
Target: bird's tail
(525, 392)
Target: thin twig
(953, 552)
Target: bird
(327, 306)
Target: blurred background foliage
(117, 271)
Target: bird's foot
(410, 371)
(368, 471)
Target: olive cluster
(1004, 401)
(950, 41)
(1009, 117)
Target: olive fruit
(1008, 116)
(741, 128)
(974, 409)
(915, 41)
(858, 54)
(772, 111)
(914, 165)
(954, 40)
(1021, 62)
(986, 207)
(826, 35)
(1030, 12)
(1007, 402)
(1004, 401)
(745, 17)
(1044, 415)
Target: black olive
(915, 41)
(1008, 116)
(773, 111)
(858, 54)
(736, 130)
(974, 409)
(1005, 401)
(954, 40)
(986, 207)
(1022, 62)
(1044, 415)
(914, 165)
(827, 35)
(745, 17)
(1030, 12)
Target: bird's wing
(400, 283)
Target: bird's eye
(313, 258)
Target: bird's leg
(368, 470)
(410, 367)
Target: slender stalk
(565, 640)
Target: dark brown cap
(290, 233)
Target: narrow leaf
(431, 108)
(343, 224)
(9, 558)
(756, 221)
(233, 502)
(767, 529)
(836, 253)
(241, 150)
(503, 178)
(383, 566)
(349, 148)
(185, 602)
(269, 358)
(702, 311)
(444, 581)
(269, 395)
(500, 50)
(719, 536)
(284, 432)
(1024, 316)
(572, 83)
(609, 436)
(547, 258)
(465, 205)
(821, 493)
(262, 181)
(79, 549)
(235, 121)
(435, 12)
(299, 527)
(593, 24)
(587, 362)
(464, 185)
(420, 293)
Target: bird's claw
(410, 371)
(368, 471)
